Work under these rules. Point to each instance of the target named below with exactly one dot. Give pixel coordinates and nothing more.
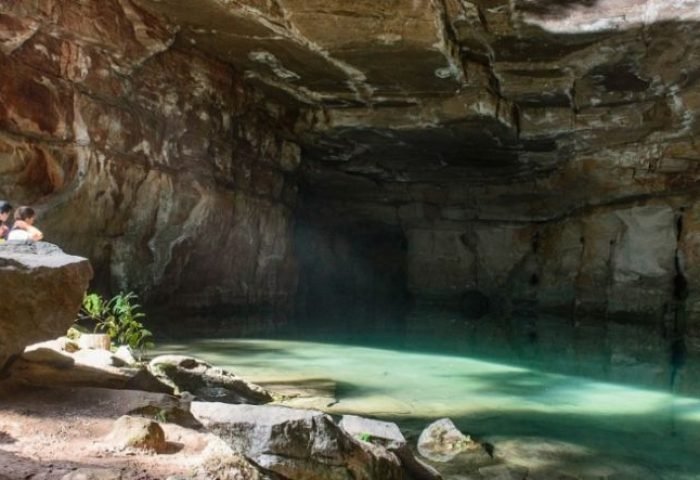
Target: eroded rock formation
(44, 289)
(150, 158)
(538, 155)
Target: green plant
(95, 308)
(365, 437)
(161, 416)
(120, 318)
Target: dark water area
(590, 399)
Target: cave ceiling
(399, 98)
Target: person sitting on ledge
(23, 228)
(5, 209)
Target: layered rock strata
(533, 155)
(145, 155)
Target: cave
(510, 180)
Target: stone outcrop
(296, 444)
(44, 289)
(206, 382)
(62, 363)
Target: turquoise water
(547, 422)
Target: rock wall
(350, 282)
(146, 156)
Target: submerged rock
(297, 444)
(441, 441)
(47, 288)
(188, 374)
(505, 472)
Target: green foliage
(161, 416)
(75, 331)
(365, 437)
(120, 318)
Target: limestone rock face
(539, 153)
(45, 289)
(144, 155)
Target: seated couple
(23, 227)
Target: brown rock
(137, 432)
(48, 287)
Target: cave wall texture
(147, 157)
(532, 155)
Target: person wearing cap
(5, 209)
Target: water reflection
(539, 419)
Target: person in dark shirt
(5, 209)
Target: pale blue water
(546, 422)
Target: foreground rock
(297, 444)
(389, 435)
(442, 442)
(207, 383)
(46, 286)
(137, 432)
(56, 363)
(220, 461)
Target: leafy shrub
(120, 318)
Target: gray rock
(218, 460)
(125, 354)
(97, 358)
(442, 442)
(389, 435)
(84, 375)
(297, 444)
(47, 289)
(386, 432)
(188, 374)
(48, 352)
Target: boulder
(442, 442)
(218, 460)
(296, 444)
(47, 289)
(389, 435)
(137, 432)
(188, 374)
